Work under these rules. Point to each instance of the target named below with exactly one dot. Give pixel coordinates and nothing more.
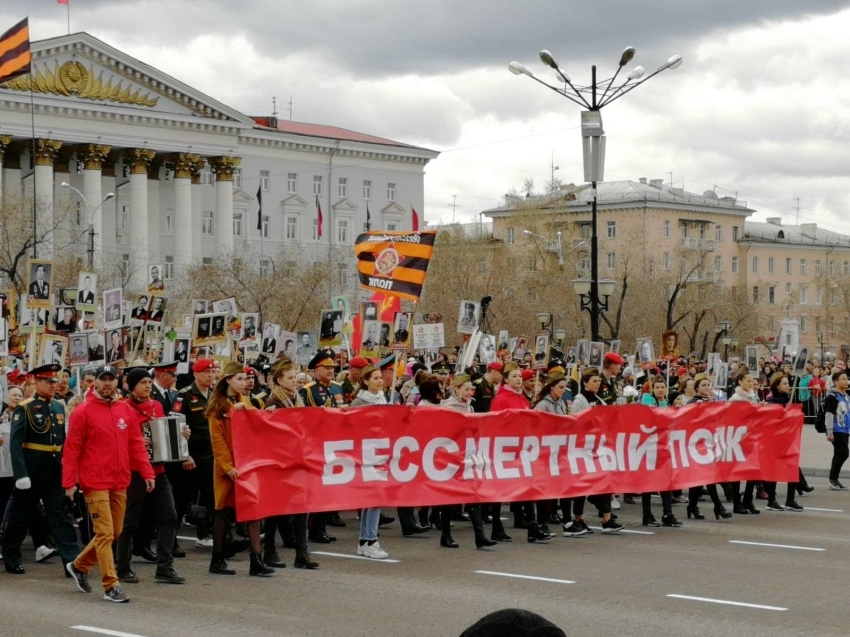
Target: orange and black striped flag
(15, 56)
(394, 263)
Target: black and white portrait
(330, 328)
(38, 291)
(401, 329)
(646, 352)
(541, 351)
(95, 347)
(368, 311)
(181, 350)
(287, 342)
(157, 311)
(250, 325)
(270, 332)
(112, 308)
(228, 306)
(487, 349)
(200, 306)
(583, 351)
(79, 349)
(66, 319)
(155, 284)
(52, 350)
(470, 314)
(370, 340)
(307, 347)
(86, 292)
(596, 352)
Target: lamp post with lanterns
(547, 323)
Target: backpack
(820, 420)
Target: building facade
(187, 170)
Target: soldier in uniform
(36, 438)
(611, 366)
(324, 391)
(443, 371)
(355, 369)
(485, 388)
(254, 391)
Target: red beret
(615, 358)
(358, 362)
(682, 371)
(528, 374)
(203, 365)
(496, 366)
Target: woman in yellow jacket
(229, 395)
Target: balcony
(693, 243)
(708, 276)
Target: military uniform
(484, 394)
(607, 389)
(36, 439)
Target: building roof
(620, 193)
(328, 132)
(806, 234)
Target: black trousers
(666, 503)
(406, 517)
(770, 488)
(199, 482)
(577, 506)
(47, 488)
(177, 477)
(840, 453)
(292, 529)
(695, 492)
(166, 517)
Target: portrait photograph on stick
(156, 286)
(87, 292)
(52, 349)
(38, 289)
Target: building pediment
(240, 196)
(293, 200)
(345, 205)
(81, 70)
(393, 209)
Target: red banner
(311, 459)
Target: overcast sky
(761, 105)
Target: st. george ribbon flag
(314, 459)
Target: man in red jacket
(103, 445)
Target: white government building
(185, 169)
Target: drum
(167, 439)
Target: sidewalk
(816, 454)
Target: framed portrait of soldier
(799, 367)
(669, 344)
(570, 361)
(140, 309)
(503, 349)
(66, 319)
(202, 330)
(615, 346)
(541, 351)
(307, 347)
(79, 349)
(156, 314)
(520, 348)
(468, 317)
(645, 352)
(752, 358)
(340, 304)
(269, 344)
(370, 339)
(330, 328)
(112, 309)
(721, 378)
(94, 346)
(181, 349)
(228, 306)
(401, 330)
(711, 361)
(38, 288)
(200, 306)
(368, 311)
(52, 349)
(287, 342)
(115, 350)
(583, 351)
(249, 333)
(86, 292)
(156, 286)
(487, 349)
(597, 350)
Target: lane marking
(354, 557)
(776, 546)
(104, 631)
(187, 538)
(599, 528)
(531, 577)
(825, 510)
(727, 602)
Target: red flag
(415, 219)
(62, 1)
(319, 217)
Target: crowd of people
(81, 457)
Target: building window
(125, 265)
(509, 236)
(611, 230)
(342, 189)
(771, 324)
(846, 268)
(168, 222)
(817, 267)
(771, 294)
(666, 228)
(665, 261)
(290, 183)
(585, 231)
(718, 233)
(685, 231)
(832, 298)
(390, 192)
(237, 224)
(734, 233)
(317, 185)
(264, 224)
(206, 261)
(367, 189)
(755, 265)
(718, 263)
(787, 288)
(207, 178)
(770, 265)
(237, 178)
(755, 294)
(342, 231)
(168, 268)
(734, 265)
(342, 273)
(804, 293)
(265, 179)
(265, 267)
(788, 265)
(803, 267)
(830, 268)
(818, 297)
(702, 231)
(292, 228)
(482, 267)
(315, 229)
(207, 223)
(392, 226)
(610, 260)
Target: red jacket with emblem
(103, 445)
(507, 398)
(145, 411)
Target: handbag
(197, 513)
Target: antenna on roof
(798, 211)
(290, 108)
(274, 107)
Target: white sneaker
(615, 504)
(360, 548)
(44, 553)
(206, 543)
(374, 552)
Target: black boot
(302, 559)
(218, 566)
(271, 558)
(693, 510)
(448, 542)
(423, 518)
(477, 517)
(259, 569)
(235, 546)
(721, 512)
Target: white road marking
(776, 546)
(727, 602)
(531, 577)
(825, 510)
(599, 528)
(104, 631)
(187, 538)
(354, 557)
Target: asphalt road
(596, 585)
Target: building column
(65, 205)
(12, 186)
(223, 169)
(197, 210)
(45, 153)
(184, 165)
(92, 156)
(109, 210)
(140, 159)
(4, 141)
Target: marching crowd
(81, 459)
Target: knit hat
(135, 375)
(513, 622)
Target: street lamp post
(547, 323)
(821, 342)
(90, 215)
(593, 142)
(721, 331)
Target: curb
(824, 473)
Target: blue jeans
(369, 519)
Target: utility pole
(552, 169)
(454, 206)
(274, 107)
(798, 211)
(290, 108)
